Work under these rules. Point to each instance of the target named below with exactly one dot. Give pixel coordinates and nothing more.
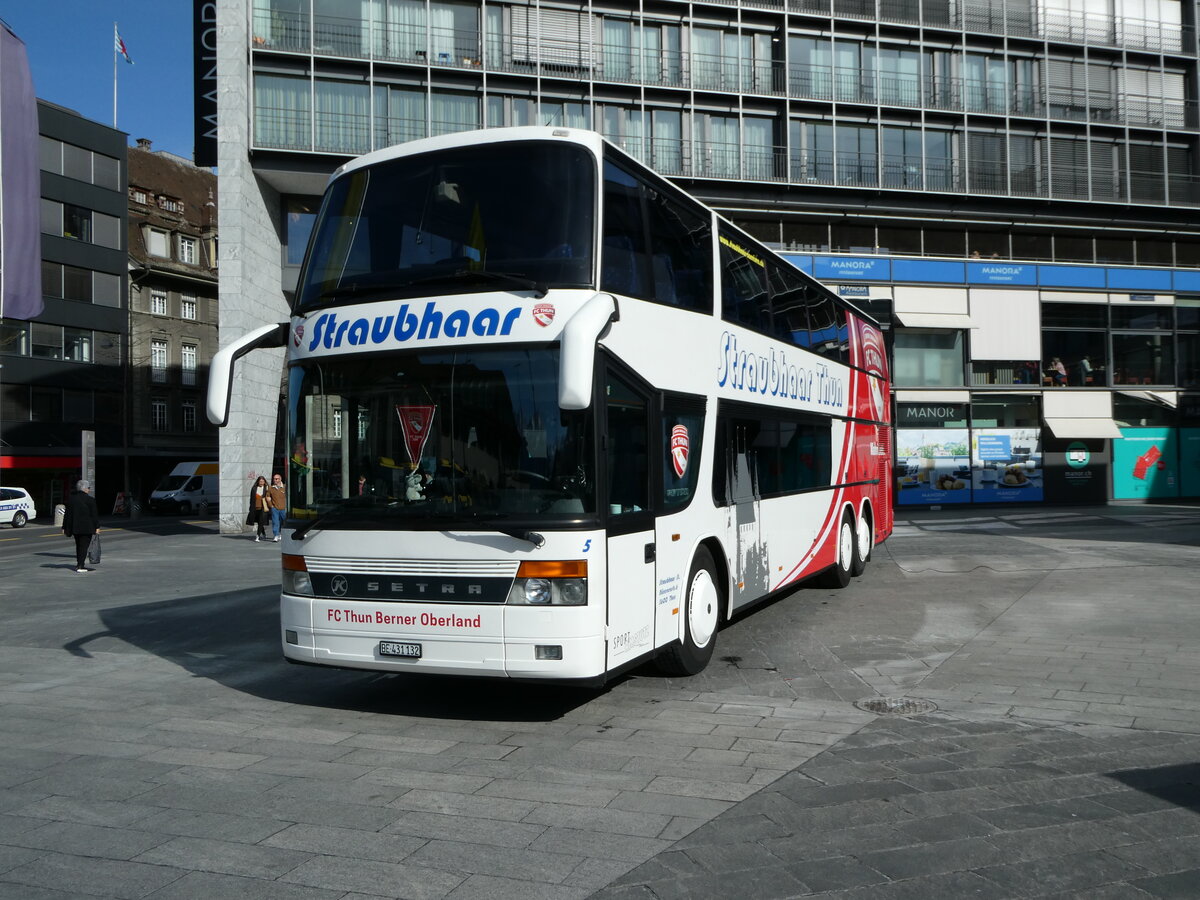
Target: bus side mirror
(220, 371)
(577, 358)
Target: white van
(191, 487)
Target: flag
(121, 47)
(20, 185)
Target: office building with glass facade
(872, 140)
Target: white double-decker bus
(550, 417)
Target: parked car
(16, 506)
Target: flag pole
(115, 33)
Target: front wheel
(701, 616)
(185, 509)
(837, 576)
(19, 519)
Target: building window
(158, 361)
(187, 306)
(137, 195)
(337, 423)
(158, 303)
(927, 357)
(107, 348)
(187, 250)
(188, 363)
(77, 344)
(156, 242)
(14, 338)
(189, 416)
(158, 415)
(46, 340)
(77, 223)
(170, 204)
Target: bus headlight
(295, 576)
(550, 584)
(537, 591)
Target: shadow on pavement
(233, 638)
(1178, 785)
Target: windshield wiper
(521, 534)
(331, 515)
(511, 279)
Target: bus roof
(590, 139)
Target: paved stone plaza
(155, 745)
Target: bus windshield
(510, 216)
(438, 439)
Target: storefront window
(1189, 360)
(1187, 312)
(932, 454)
(1143, 359)
(1006, 449)
(1143, 318)
(1146, 457)
(1008, 372)
(1082, 354)
(926, 357)
(1074, 315)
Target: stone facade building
(172, 311)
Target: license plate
(397, 648)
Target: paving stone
(373, 876)
(227, 857)
(528, 864)
(207, 885)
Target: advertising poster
(1145, 464)
(1006, 465)
(932, 466)
(1076, 471)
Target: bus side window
(680, 242)
(744, 297)
(624, 265)
(682, 434)
(627, 445)
(827, 329)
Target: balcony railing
(353, 134)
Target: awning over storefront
(931, 307)
(1076, 414)
(1162, 398)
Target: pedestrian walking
(81, 520)
(277, 497)
(260, 509)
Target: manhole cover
(892, 706)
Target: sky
(70, 48)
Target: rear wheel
(19, 519)
(837, 576)
(701, 616)
(864, 544)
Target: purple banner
(20, 185)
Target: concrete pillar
(250, 262)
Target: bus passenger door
(631, 547)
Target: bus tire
(864, 543)
(838, 575)
(701, 617)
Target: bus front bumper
(499, 641)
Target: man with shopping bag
(82, 522)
